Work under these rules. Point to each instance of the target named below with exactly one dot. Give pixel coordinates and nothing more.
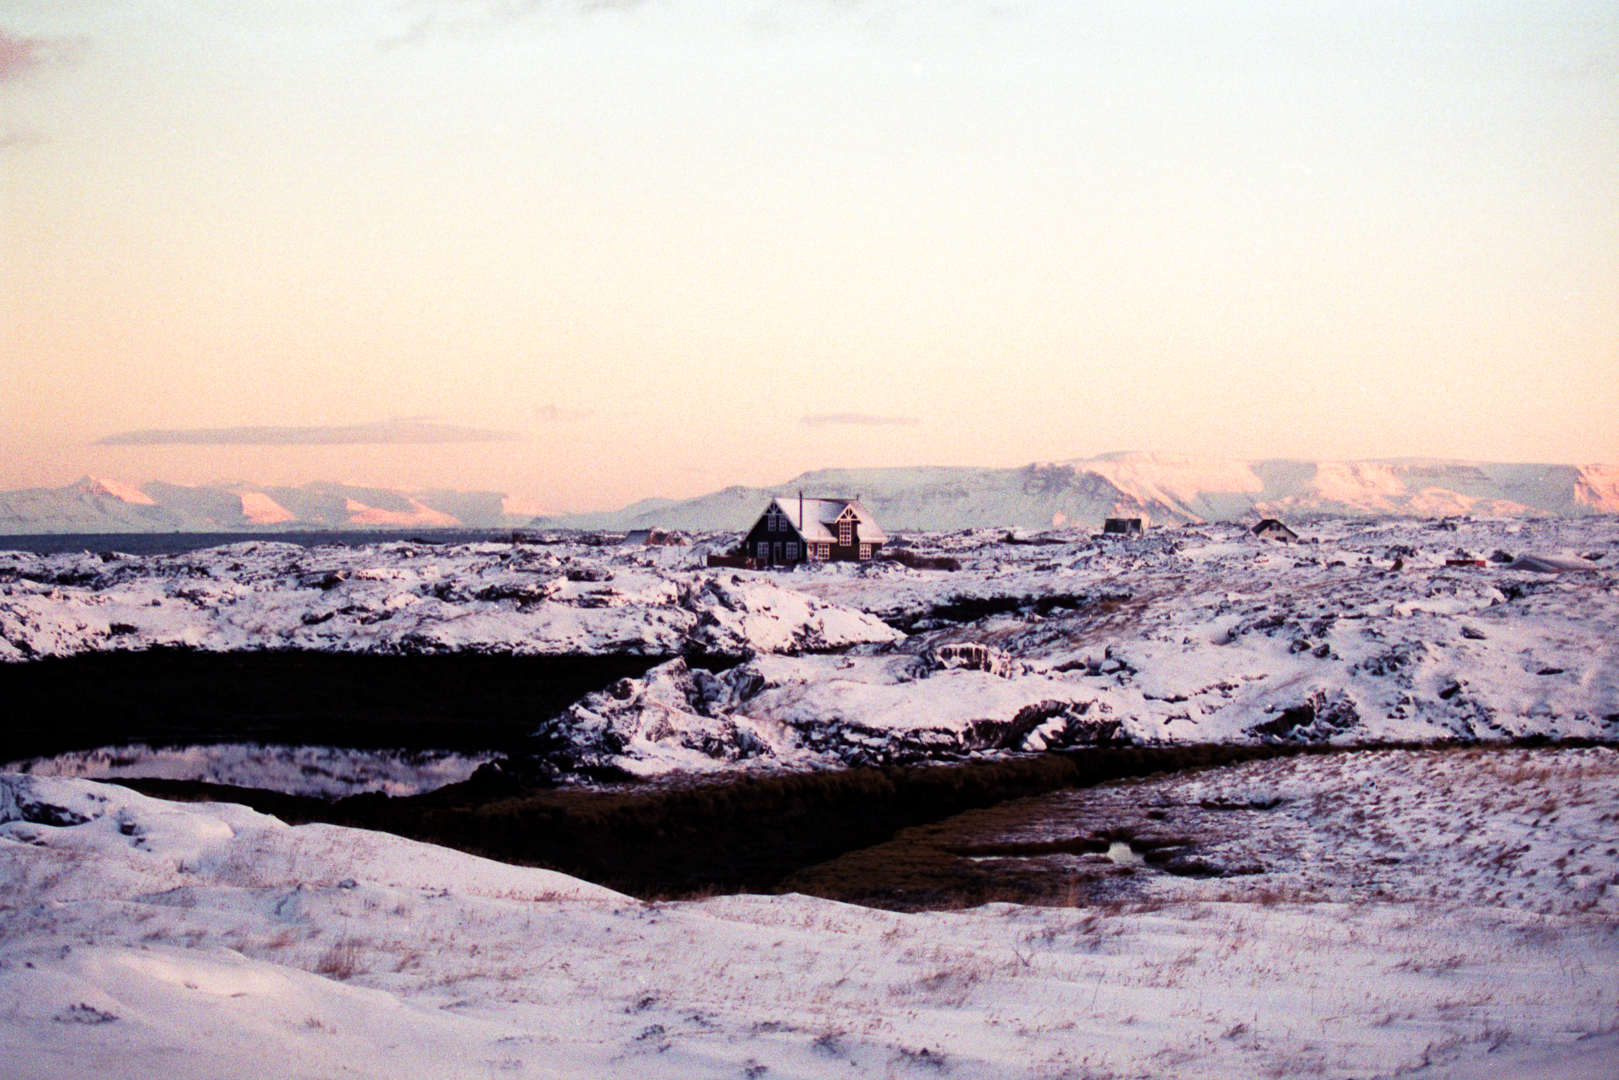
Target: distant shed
(1552, 564)
(1124, 526)
(651, 538)
(1271, 529)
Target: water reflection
(319, 771)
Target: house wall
(851, 553)
(776, 552)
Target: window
(770, 520)
(764, 550)
(845, 532)
(865, 552)
(792, 549)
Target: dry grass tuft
(341, 961)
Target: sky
(585, 251)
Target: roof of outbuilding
(1552, 564)
(821, 516)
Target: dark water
(464, 702)
(176, 542)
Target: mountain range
(93, 505)
(1079, 492)
(1162, 489)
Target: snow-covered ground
(1369, 631)
(407, 598)
(1434, 914)
(1430, 914)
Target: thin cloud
(555, 413)
(20, 139)
(394, 432)
(429, 18)
(858, 420)
(20, 55)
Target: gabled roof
(821, 518)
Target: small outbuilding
(1271, 529)
(651, 538)
(793, 531)
(1124, 526)
(1552, 564)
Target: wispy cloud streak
(858, 420)
(20, 55)
(414, 430)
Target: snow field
(399, 598)
(1198, 634)
(141, 938)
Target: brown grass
(341, 961)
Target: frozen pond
(1119, 853)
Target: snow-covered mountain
(95, 505)
(1079, 492)
(1162, 488)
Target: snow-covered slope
(1422, 915)
(1162, 488)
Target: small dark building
(791, 531)
(1124, 526)
(651, 538)
(1271, 529)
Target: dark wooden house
(796, 530)
(1124, 526)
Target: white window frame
(845, 532)
(792, 549)
(763, 551)
(865, 552)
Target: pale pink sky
(653, 238)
